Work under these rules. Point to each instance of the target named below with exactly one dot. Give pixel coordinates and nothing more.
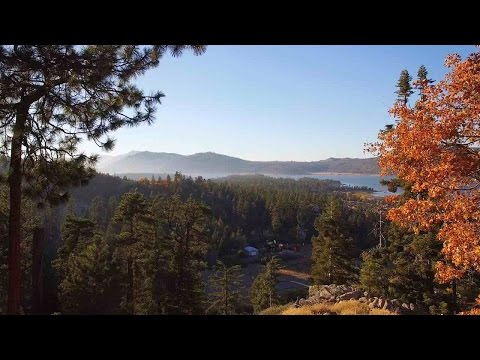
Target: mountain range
(209, 163)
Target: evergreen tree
(49, 96)
(422, 77)
(404, 87)
(262, 292)
(89, 284)
(374, 273)
(226, 284)
(184, 241)
(332, 249)
(134, 242)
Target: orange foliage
(435, 147)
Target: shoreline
(338, 173)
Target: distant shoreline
(338, 173)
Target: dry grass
(275, 310)
(350, 307)
(304, 310)
(380, 312)
(318, 309)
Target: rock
(363, 299)
(329, 313)
(386, 305)
(380, 303)
(366, 294)
(302, 302)
(412, 307)
(319, 291)
(405, 308)
(332, 298)
(350, 295)
(396, 302)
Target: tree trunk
(14, 222)
(37, 270)
(454, 297)
(130, 300)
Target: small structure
(251, 251)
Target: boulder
(366, 294)
(363, 299)
(386, 305)
(355, 295)
(380, 303)
(302, 302)
(319, 291)
(412, 307)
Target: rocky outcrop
(335, 293)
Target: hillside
(212, 163)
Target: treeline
(405, 266)
(141, 247)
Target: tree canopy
(434, 147)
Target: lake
(371, 181)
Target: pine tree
(49, 96)
(226, 284)
(135, 240)
(332, 249)
(262, 292)
(423, 80)
(374, 272)
(404, 87)
(90, 283)
(184, 240)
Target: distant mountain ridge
(213, 163)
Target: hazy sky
(277, 102)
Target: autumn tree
(52, 97)
(226, 283)
(434, 148)
(404, 87)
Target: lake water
(371, 181)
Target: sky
(300, 103)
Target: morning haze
(269, 103)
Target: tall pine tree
(332, 248)
(262, 292)
(404, 87)
(226, 284)
(423, 80)
(50, 97)
(134, 242)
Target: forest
(75, 241)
